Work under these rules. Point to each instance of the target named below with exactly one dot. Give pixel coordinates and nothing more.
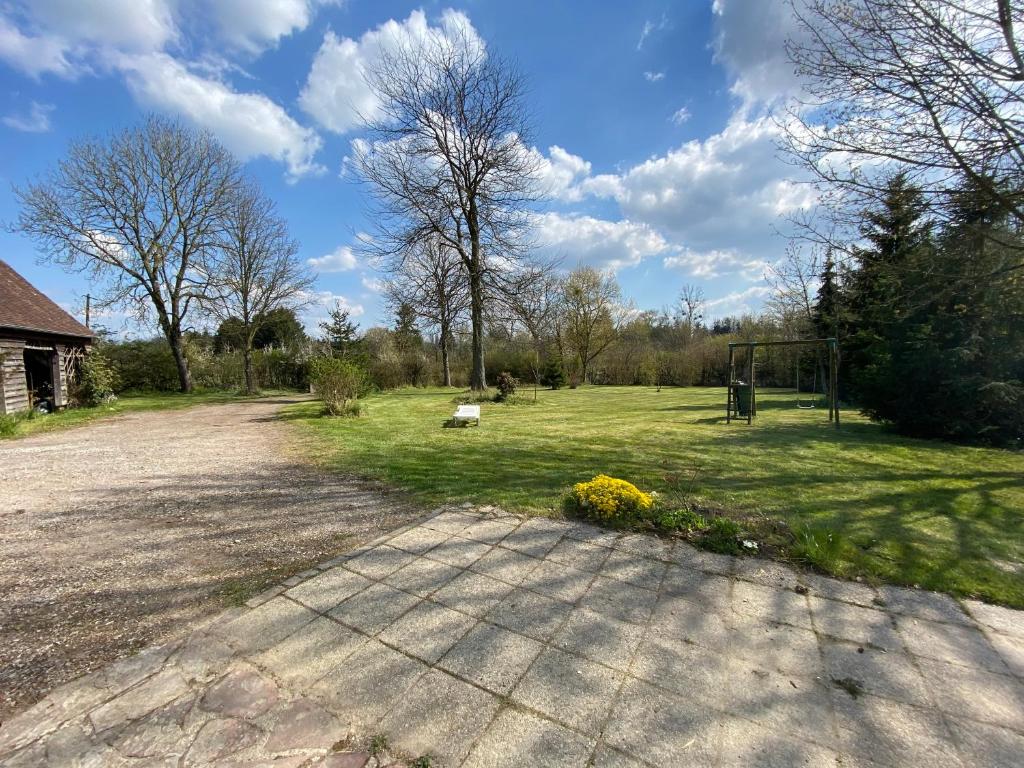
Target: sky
(652, 121)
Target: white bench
(467, 413)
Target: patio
(479, 638)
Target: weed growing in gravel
(378, 744)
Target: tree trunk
(180, 360)
(445, 362)
(478, 376)
(250, 379)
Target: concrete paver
(474, 638)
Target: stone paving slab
(483, 639)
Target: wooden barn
(40, 346)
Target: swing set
(742, 393)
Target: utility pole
(87, 298)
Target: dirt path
(115, 535)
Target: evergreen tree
(339, 331)
(958, 350)
(898, 239)
(279, 328)
(826, 311)
(407, 335)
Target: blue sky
(652, 122)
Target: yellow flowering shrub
(608, 498)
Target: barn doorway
(39, 368)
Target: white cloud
(34, 55)
(738, 302)
(126, 25)
(37, 120)
(249, 124)
(597, 242)
(653, 77)
(337, 94)
(727, 191)
(319, 306)
(717, 262)
(560, 173)
(372, 284)
(750, 41)
(134, 37)
(341, 259)
(252, 27)
(680, 116)
(650, 27)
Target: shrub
(506, 384)
(722, 536)
(97, 380)
(338, 383)
(681, 520)
(8, 425)
(143, 365)
(554, 373)
(610, 500)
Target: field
(941, 516)
(23, 424)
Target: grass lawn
(944, 517)
(23, 424)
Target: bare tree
(794, 283)
(254, 269)
(429, 277)
(138, 212)
(592, 312)
(931, 88)
(537, 304)
(448, 160)
(691, 308)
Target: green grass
(860, 501)
(24, 424)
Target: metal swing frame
(734, 384)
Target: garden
(858, 502)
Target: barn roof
(24, 308)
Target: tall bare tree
(253, 270)
(592, 302)
(691, 308)
(138, 212)
(429, 277)
(794, 283)
(536, 303)
(448, 160)
(929, 88)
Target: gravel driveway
(115, 535)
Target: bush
(97, 380)
(722, 536)
(143, 365)
(609, 499)
(554, 373)
(8, 425)
(681, 520)
(338, 383)
(506, 384)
